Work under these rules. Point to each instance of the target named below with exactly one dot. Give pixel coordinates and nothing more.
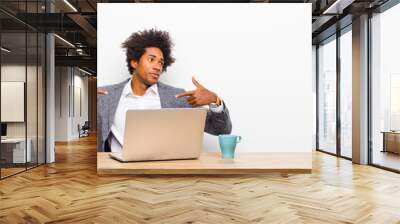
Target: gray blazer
(216, 123)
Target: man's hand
(101, 91)
(200, 96)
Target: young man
(148, 54)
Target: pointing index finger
(197, 84)
(189, 93)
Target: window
(327, 96)
(346, 93)
(385, 89)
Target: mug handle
(238, 139)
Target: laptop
(162, 134)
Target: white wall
(33, 127)
(17, 73)
(68, 82)
(80, 84)
(61, 103)
(254, 56)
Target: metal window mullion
(317, 95)
(69, 92)
(338, 98)
(369, 89)
(73, 91)
(26, 87)
(45, 86)
(60, 91)
(45, 94)
(37, 91)
(0, 97)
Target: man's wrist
(218, 101)
(217, 106)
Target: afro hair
(137, 43)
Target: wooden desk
(15, 149)
(391, 141)
(211, 163)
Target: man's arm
(218, 120)
(99, 125)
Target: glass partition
(22, 77)
(31, 100)
(41, 86)
(327, 96)
(13, 86)
(385, 89)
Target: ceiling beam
(337, 6)
(84, 24)
(83, 61)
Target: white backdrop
(256, 57)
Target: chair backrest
(86, 125)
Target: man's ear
(134, 64)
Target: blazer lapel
(167, 97)
(115, 95)
(164, 98)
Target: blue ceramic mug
(227, 143)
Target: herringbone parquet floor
(69, 191)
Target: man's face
(150, 65)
